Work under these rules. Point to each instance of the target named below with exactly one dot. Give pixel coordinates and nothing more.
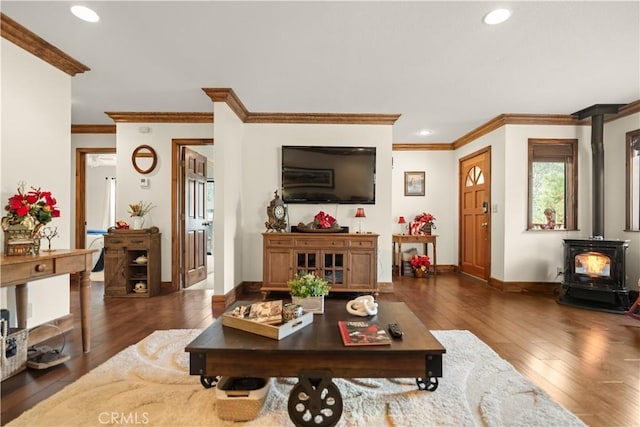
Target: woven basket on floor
(240, 405)
(14, 350)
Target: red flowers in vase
(323, 220)
(33, 209)
(426, 218)
(420, 262)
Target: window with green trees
(552, 184)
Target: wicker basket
(14, 350)
(241, 399)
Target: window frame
(571, 178)
(628, 176)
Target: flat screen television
(322, 174)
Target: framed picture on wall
(414, 183)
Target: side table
(426, 239)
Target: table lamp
(402, 222)
(360, 214)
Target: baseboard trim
(531, 287)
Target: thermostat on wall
(144, 182)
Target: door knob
(484, 224)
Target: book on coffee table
(363, 333)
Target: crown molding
(157, 117)
(515, 119)
(423, 146)
(34, 44)
(228, 96)
(97, 129)
(324, 118)
(626, 110)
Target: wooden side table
(426, 239)
(18, 270)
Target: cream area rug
(148, 384)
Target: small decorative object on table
(308, 291)
(49, 233)
(420, 264)
(27, 213)
(322, 223)
(422, 224)
(137, 212)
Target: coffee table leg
(315, 400)
(431, 383)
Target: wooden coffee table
(316, 354)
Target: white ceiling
(435, 63)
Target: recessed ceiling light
(85, 13)
(497, 16)
(424, 132)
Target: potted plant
(420, 264)
(308, 290)
(137, 211)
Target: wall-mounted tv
(322, 174)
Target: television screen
(328, 174)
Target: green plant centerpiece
(308, 290)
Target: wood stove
(594, 274)
(594, 268)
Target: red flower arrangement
(426, 218)
(323, 220)
(33, 209)
(420, 262)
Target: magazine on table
(363, 333)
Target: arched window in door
(474, 177)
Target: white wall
(440, 198)
(534, 255)
(159, 191)
(229, 176)
(614, 189)
(36, 123)
(261, 162)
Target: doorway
(95, 211)
(190, 216)
(475, 219)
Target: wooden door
(475, 220)
(195, 223)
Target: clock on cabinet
(276, 214)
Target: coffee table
(316, 354)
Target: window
(553, 184)
(633, 181)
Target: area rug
(148, 384)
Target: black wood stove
(594, 274)
(594, 268)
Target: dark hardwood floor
(588, 361)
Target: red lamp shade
(360, 213)
(401, 220)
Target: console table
(18, 270)
(399, 239)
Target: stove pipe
(597, 175)
(597, 112)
